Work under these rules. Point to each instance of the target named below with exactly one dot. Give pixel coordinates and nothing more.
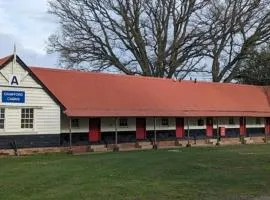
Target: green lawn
(238, 172)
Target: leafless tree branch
(234, 29)
(151, 38)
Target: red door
(209, 126)
(140, 128)
(180, 129)
(267, 125)
(242, 126)
(94, 129)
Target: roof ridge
(99, 73)
(135, 76)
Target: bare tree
(146, 37)
(234, 28)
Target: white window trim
(119, 125)
(75, 127)
(165, 125)
(5, 121)
(34, 121)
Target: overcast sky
(27, 24)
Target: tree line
(162, 38)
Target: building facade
(29, 116)
(48, 108)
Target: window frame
(75, 123)
(3, 118)
(231, 121)
(200, 122)
(27, 118)
(164, 119)
(258, 122)
(210, 121)
(123, 122)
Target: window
(231, 121)
(27, 118)
(123, 122)
(258, 120)
(209, 121)
(164, 122)
(2, 118)
(200, 122)
(75, 123)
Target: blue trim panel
(253, 132)
(29, 141)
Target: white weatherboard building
(29, 115)
(40, 107)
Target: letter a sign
(14, 80)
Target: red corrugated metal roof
(3, 60)
(98, 94)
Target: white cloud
(29, 56)
(26, 23)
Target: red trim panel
(267, 125)
(180, 127)
(222, 131)
(140, 128)
(94, 130)
(209, 126)
(243, 130)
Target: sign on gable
(13, 96)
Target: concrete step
(211, 141)
(80, 149)
(166, 143)
(98, 148)
(259, 140)
(248, 140)
(128, 149)
(230, 141)
(110, 146)
(144, 145)
(126, 145)
(147, 147)
(169, 147)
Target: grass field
(238, 172)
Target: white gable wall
(46, 111)
(26, 80)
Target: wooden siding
(83, 125)
(25, 79)
(159, 126)
(107, 124)
(251, 122)
(46, 111)
(193, 123)
(224, 122)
